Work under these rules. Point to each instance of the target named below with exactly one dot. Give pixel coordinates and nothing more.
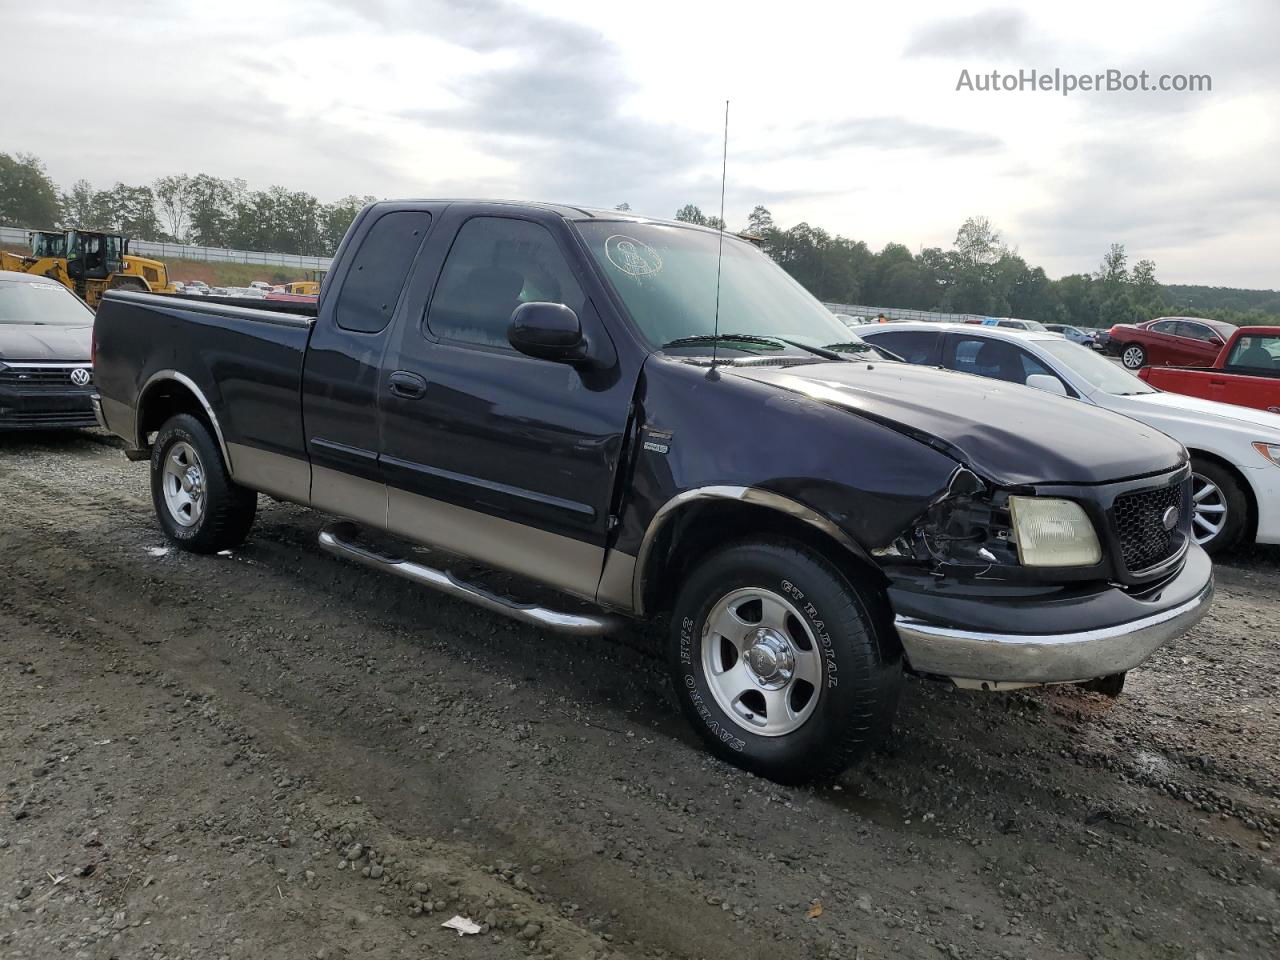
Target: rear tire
(1133, 356)
(200, 508)
(781, 664)
(1219, 507)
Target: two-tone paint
(582, 476)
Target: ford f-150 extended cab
(1246, 372)
(537, 390)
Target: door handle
(408, 385)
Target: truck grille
(1139, 524)
(44, 375)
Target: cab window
(494, 265)
(1256, 354)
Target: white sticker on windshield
(633, 257)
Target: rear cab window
(369, 293)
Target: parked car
(46, 374)
(1235, 452)
(1074, 334)
(537, 388)
(1246, 372)
(1012, 323)
(261, 285)
(1178, 341)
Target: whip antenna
(724, 167)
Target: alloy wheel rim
(1133, 357)
(182, 479)
(1208, 509)
(762, 661)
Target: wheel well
(702, 527)
(165, 399)
(1251, 522)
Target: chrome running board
(337, 539)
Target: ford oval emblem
(80, 377)
(1170, 518)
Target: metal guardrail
(900, 313)
(186, 251)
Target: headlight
(1053, 533)
(1269, 450)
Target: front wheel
(1134, 356)
(1218, 506)
(199, 506)
(781, 664)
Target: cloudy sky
(844, 115)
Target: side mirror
(1047, 383)
(548, 331)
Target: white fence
(186, 251)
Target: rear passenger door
(487, 452)
(341, 379)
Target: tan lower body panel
(286, 477)
(618, 581)
(561, 562)
(355, 498)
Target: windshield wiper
(715, 338)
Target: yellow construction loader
(88, 263)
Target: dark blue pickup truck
(536, 390)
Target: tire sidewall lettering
(819, 626)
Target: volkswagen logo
(1170, 518)
(80, 377)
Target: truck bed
(244, 362)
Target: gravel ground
(274, 753)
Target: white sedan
(1235, 451)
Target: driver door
(486, 452)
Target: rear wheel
(1133, 356)
(199, 506)
(1219, 507)
(781, 664)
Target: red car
(1246, 372)
(1169, 341)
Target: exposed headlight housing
(1269, 450)
(1053, 533)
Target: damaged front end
(998, 587)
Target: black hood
(1008, 433)
(39, 341)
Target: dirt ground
(274, 753)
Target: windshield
(26, 301)
(1094, 369)
(666, 277)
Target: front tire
(1133, 356)
(1219, 507)
(199, 506)
(781, 664)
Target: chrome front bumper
(997, 658)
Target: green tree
(28, 197)
(173, 197)
(336, 217)
(759, 221)
(691, 214)
(79, 206)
